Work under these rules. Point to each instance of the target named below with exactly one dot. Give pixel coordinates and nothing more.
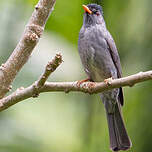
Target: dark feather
(116, 61)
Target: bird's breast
(95, 55)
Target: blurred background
(76, 122)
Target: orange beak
(86, 9)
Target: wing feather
(115, 57)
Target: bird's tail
(119, 139)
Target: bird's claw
(108, 81)
(82, 81)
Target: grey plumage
(100, 59)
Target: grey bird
(101, 61)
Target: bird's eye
(96, 12)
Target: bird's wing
(114, 54)
(116, 60)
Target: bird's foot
(82, 81)
(108, 81)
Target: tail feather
(119, 139)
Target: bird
(101, 62)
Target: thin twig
(50, 68)
(87, 87)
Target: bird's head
(93, 14)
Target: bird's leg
(108, 80)
(82, 81)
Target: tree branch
(33, 90)
(86, 87)
(50, 68)
(28, 41)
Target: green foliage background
(75, 122)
